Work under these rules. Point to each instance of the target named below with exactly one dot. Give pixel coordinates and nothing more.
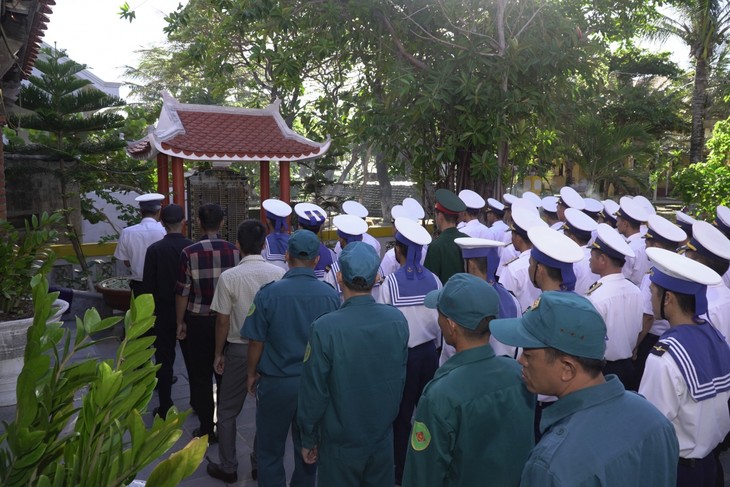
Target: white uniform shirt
(506, 253)
(659, 326)
(515, 278)
(476, 229)
(237, 287)
(700, 426)
(498, 229)
(620, 304)
(133, 243)
(718, 308)
(636, 267)
(422, 321)
(266, 253)
(367, 238)
(584, 278)
(726, 279)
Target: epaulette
(593, 288)
(510, 261)
(658, 349)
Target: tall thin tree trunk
(386, 190)
(503, 145)
(699, 101)
(70, 228)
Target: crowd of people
(534, 341)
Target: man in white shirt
(469, 219)
(629, 219)
(135, 239)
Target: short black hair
(473, 211)
(311, 228)
(449, 217)
(592, 366)
(577, 236)
(251, 235)
(146, 212)
(211, 216)
(480, 331)
(358, 285)
(616, 261)
(686, 302)
(717, 264)
(479, 262)
(553, 272)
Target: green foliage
(100, 439)
(707, 184)
(22, 256)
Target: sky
(92, 33)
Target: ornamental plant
(78, 422)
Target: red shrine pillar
(285, 184)
(265, 182)
(178, 182)
(163, 177)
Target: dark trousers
(165, 341)
(642, 353)
(136, 287)
(201, 353)
(422, 365)
(623, 369)
(697, 473)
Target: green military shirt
(474, 424)
(444, 256)
(353, 376)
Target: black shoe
(212, 438)
(158, 412)
(254, 467)
(215, 471)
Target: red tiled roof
(36, 33)
(225, 134)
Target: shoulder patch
(252, 309)
(659, 349)
(420, 436)
(511, 260)
(307, 352)
(593, 288)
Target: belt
(209, 313)
(621, 360)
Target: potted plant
(22, 256)
(78, 422)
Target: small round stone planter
(13, 338)
(116, 292)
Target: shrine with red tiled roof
(222, 134)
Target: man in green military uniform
(444, 256)
(352, 380)
(474, 422)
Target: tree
(81, 127)
(703, 25)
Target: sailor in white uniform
(629, 219)
(685, 222)
(580, 228)
(569, 198)
(406, 289)
(469, 220)
(515, 273)
(617, 300)
(277, 240)
(687, 375)
(389, 264)
(311, 217)
(352, 207)
(722, 222)
(550, 212)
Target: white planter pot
(13, 338)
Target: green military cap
(465, 299)
(448, 202)
(303, 244)
(359, 260)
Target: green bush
(79, 423)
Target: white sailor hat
(527, 205)
(680, 274)
(644, 203)
(685, 222)
(664, 231)
(508, 199)
(495, 206)
(550, 204)
(400, 211)
(610, 207)
(277, 208)
(553, 249)
(610, 242)
(533, 198)
(570, 198)
(352, 207)
(593, 207)
(350, 227)
(473, 248)
(631, 210)
(150, 201)
(523, 219)
(722, 221)
(412, 232)
(709, 240)
(579, 224)
(471, 199)
(310, 214)
(414, 208)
